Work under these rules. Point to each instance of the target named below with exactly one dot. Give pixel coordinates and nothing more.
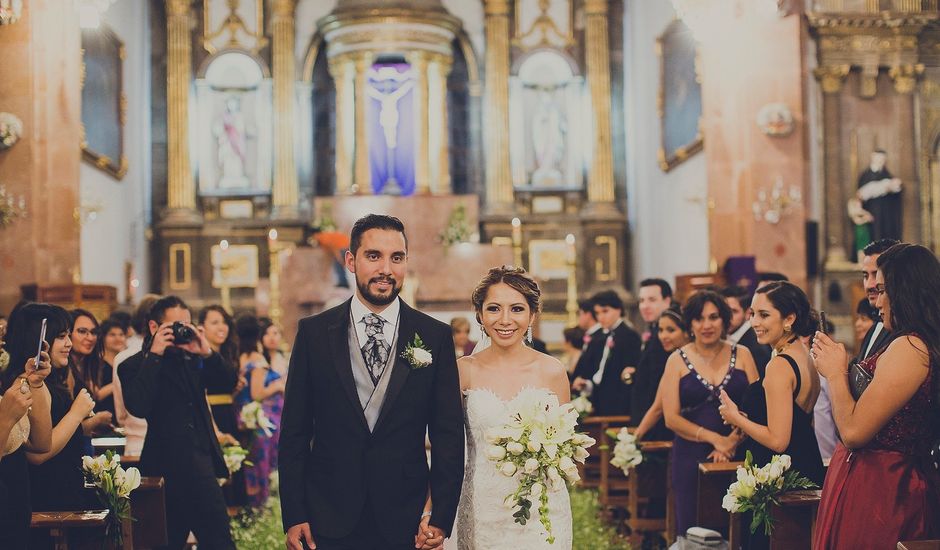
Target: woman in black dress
(778, 408)
(33, 431)
(98, 368)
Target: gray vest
(370, 397)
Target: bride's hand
(429, 537)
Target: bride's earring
(483, 330)
(528, 335)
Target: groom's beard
(379, 299)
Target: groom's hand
(297, 535)
(428, 537)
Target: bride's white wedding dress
(484, 522)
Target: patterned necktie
(375, 351)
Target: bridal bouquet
(113, 485)
(627, 454)
(538, 446)
(758, 488)
(253, 417)
(583, 405)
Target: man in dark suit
(353, 468)
(740, 332)
(878, 336)
(165, 383)
(601, 374)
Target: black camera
(182, 334)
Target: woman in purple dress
(695, 376)
(265, 386)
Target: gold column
(442, 184)
(496, 106)
(338, 68)
(181, 195)
(284, 193)
(363, 172)
(419, 64)
(601, 178)
(831, 79)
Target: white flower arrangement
(540, 447)
(756, 489)
(627, 454)
(11, 128)
(254, 418)
(417, 354)
(113, 485)
(583, 405)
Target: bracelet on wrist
(425, 514)
(41, 384)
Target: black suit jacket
(883, 339)
(760, 352)
(331, 466)
(169, 391)
(611, 397)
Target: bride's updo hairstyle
(514, 277)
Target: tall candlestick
(517, 241)
(571, 305)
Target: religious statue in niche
(877, 203)
(391, 143)
(549, 130)
(231, 133)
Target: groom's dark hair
(374, 221)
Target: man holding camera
(165, 384)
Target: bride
(506, 302)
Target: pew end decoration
(583, 405)
(627, 454)
(254, 418)
(113, 485)
(539, 447)
(758, 489)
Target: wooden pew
(648, 482)
(59, 523)
(919, 545)
(148, 507)
(594, 471)
(795, 519)
(713, 481)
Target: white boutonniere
(416, 354)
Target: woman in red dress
(881, 488)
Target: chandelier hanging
(10, 11)
(11, 207)
(773, 206)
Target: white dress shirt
(135, 429)
(389, 314)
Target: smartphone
(42, 338)
(823, 323)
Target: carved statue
(549, 130)
(230, 133)
(880, 194)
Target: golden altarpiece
(878, 68)
(504, 156)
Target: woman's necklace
(780, 348)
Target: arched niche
(233, 122)
(549, 122)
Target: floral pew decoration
(113, 485)
(758, 489)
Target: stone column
(284, 193)
(419, 65)
(499, 196)
(339, 66)
(362, 177)
(181, 191)
(915, 217)
(442, 184)
(601, 178)
(831, 79)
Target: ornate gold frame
(669, 161)
(116, 168)
(231, 25)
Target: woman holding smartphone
(25, 421)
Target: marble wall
(667, 211)
(117, 234)
(39, 82)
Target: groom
(367, 379)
